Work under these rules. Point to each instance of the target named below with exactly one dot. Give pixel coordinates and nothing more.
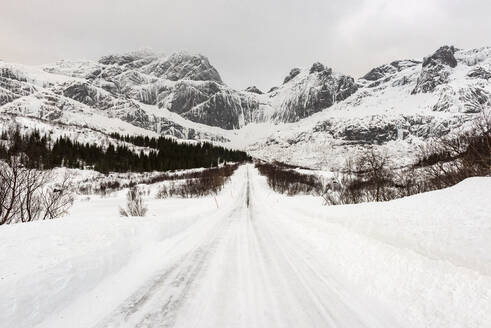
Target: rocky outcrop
(183, 66)
(385, 72)
(13, 85)
(380, 129)
(480, 73)
(464, 100)
(254, 89)
(227, 109)
(317, 67)
(311, 93)
(435, 70)
(294, 72)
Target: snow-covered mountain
(313, 118)
(396, 106)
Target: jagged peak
(396, 66)
(293, 73)
(254, 89)
(444, 55)
(317, 67)
(183, 65)
(128, 57)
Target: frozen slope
(260, 260)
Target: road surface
(249, 267)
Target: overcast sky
(250, 42)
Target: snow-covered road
(260, 260)
(245, 269)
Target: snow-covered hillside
(315, 116)
(397, 106)
(260, 259)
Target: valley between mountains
(140, 190)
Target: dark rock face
(435, 70)
(378, 73)
(272, 89)
(480, 73)
(465, 100)
(118, 59)
(385, 70)
(81, 92)
(346, 87)
(294, 72)
(317, 67)
(443, 56)
(402, 64)
(380, 130)
(186, 96)
(475, 100)
(254, 89)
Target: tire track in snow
(157, 302)
(319, 298)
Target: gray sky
(248, 41)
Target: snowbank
(427, 257)
(44, 266)
(452, 224)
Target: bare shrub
(56, 199)
(285, 180)
(441, 163)
(135, 205)
(448, 161)
(28, 194)
(198, 184)
(373, 176)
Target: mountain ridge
(183, 95)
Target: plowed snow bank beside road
(427, 257)
(46, 265)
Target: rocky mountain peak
(317, 67)
(435, 70)
(183, 66)
(294, 72)
(127, 58)
(384, 70)
(254, 89)
(443, 56)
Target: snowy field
(258, 259)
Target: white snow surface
(260, 259)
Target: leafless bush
(135, 205)
(365, 178)
(450, 160)
(107, 186)
(57, 199)
(442, 163)
(285, 180)
(202, 183)
(27, 194)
